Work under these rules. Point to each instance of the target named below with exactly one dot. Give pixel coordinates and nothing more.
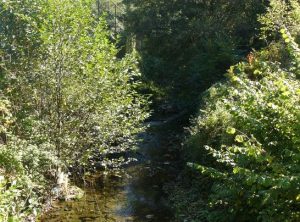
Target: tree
(65, 96)
(186, 47)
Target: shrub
(74, 94)
(23, 171)
(250, 126)
(64, 96)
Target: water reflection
(134, 193)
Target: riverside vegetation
(64, 97)
(69, 94)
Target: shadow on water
(134, 193)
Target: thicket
(186, 46)
(245, 141)
(64, 97)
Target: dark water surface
(134, 193)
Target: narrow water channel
(133, 193)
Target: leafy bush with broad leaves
(23, 171)
(24, 178)
(251, 125)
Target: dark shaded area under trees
(186, 46)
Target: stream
(132, 193)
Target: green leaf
(234, 79)
(257, 72)
(236, 170)
(239, 138)
(230, 130)
(282, 31)
(285, 36)
(286, 93)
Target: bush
(74, 94)
(250, 126)
(64, 97)
(24, 183)
(24, 168)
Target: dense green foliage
(255, 135)
(69, 95)
(24, 167)
(245, 141)
(187, 46)
(65, 96)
